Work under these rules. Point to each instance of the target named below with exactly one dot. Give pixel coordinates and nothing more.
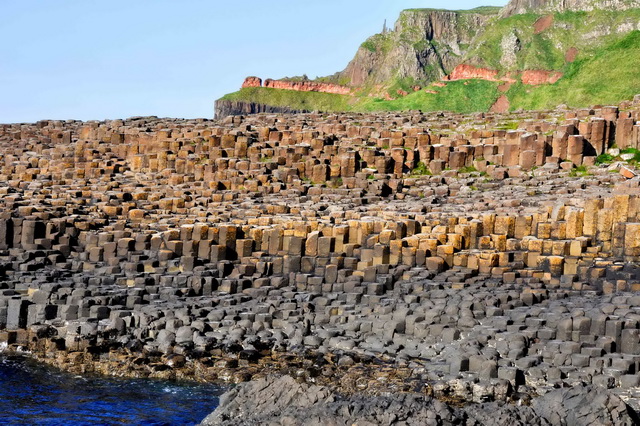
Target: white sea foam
(170, 390)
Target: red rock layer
(307, 86)
(465, 72)
(537, 77)
(501, 105)
(252, 82)
(571, 54)
(543, 24)
(530, 77)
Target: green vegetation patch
(381, 43)
(580, 171)
(546, 50)
(458, 96)
(421, 169)
(608, 76)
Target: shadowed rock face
(283, 401)
(225, 108)
(516, 7)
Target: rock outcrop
(307, 86)
(529, 77)
(516, 7)
(297, 85)
(224, 108)
(284, 401)
(465, 72)
(252, 82)
(537, 77)
(424, 46)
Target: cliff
(224, 108)
(424, 46)
(532, 54)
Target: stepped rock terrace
(481, 257)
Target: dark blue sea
(31, 394)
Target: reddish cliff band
(299, 86)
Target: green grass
(486, 50)
(406, 84)
(511, 125)
(369, 45)
(467, 169)
(476, 95)
(421, 169)
(579, 171)
(547, 50)
(605, 159)
(382, 43)
(636, 155)
(609, 76)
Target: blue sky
(95, 60)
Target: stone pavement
(480, 258)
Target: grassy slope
(610, 75)
(547, 50)
(459, 96)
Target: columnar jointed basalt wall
(216, 249)
(224, 108)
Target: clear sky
(95, 60)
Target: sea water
(32, 394)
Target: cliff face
(224, 108)
(516, 7)
(424, 46)
(307, 86)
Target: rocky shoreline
(370, 254)
(284, 401)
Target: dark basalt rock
(284, 401)
(225, 108)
